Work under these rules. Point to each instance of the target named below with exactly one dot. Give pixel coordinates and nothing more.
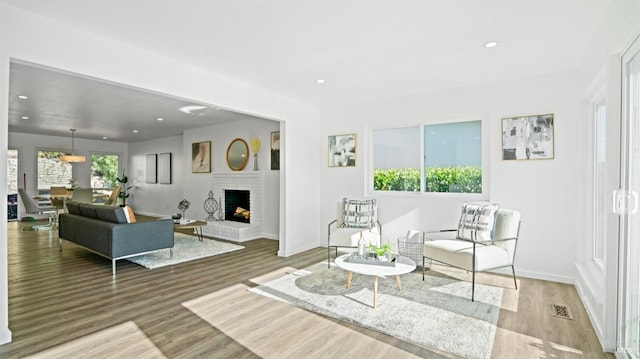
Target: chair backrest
(507, 228)
(83, 195)
(58, 191)
(29, 203)
(111, 201)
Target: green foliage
(404, 179)
(465, 179)
(382, 250)
(123, 191)
(105, 166)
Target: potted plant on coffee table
(383, 252)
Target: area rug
(437, 313)
(185, 248)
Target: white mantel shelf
(253, 181)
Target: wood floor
(67, 304)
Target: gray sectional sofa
(105, 231)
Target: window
(396, 156)
(453, 157)
(444, 157)
(104, 171)
(52, 171)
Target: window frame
(369, 170)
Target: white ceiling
(364, 50)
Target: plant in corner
(382, 251)
(123, 191)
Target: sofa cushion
(88, 210)
(111, 214)
(72, 207)
(477, 222)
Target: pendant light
(73, 157)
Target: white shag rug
(436, 313)
(185, 248)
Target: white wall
(155, 198)
(197, 185)
(163, 199)
(544, 191)
(52, 44)
(28, 145)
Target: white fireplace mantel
(236, 231)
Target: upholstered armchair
(486, 239)
(354, 219)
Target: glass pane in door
(630, 220)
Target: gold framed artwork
(201, 157)
(528, 137)
(342, 150)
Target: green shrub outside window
(466, 179)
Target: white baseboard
(5, 336)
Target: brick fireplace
(239, 231)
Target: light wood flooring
(67, 304)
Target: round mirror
(237, 154)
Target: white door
(625, 203)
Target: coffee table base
(375, 286)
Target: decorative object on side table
(124, 188)
(255, 146)
(212, 207)
(184, 206)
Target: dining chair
(113, 197)
(82, 195)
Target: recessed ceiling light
(22, 97)
(105, 137)
(160, 119)
(135, 131)
(320, 81)
(25, 117)
(491, 44)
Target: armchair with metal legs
(32, 207)
(474, 255)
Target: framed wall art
(342, 150)
(201, 157)
(164, 168)
(152, 168)
(275, 150)
(528, 137)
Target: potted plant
(383, 252)
(123, 190)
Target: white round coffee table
(403, 265)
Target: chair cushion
(358, 213)
(477, 222)
(459, 253)
(348, 237)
